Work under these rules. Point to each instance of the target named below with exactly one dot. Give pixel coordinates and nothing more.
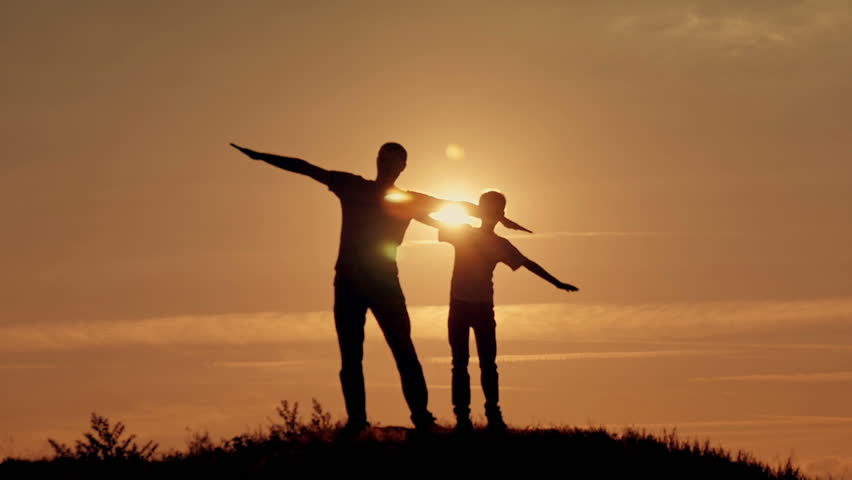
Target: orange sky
(664, 153)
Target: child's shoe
(495, 421)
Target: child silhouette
(477, 252)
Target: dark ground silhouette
(316, 448)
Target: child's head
(492, 206)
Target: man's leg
(459, 333)
(388, 306)
(350, 313)
(484, 329)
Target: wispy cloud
(728, 30)
(765, 323)
(828, 466)
(260, 364)
(231, 329)
(737, 28)
(556, 357)
(798, 346)
(753, 347)
(545, 235)
(27, 366)
(473, 386)
(563, 234)
(818, 377)
(760, 420)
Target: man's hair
(393, 149)
(492, 203)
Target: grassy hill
(316, 448)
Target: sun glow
(453, 215)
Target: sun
(453, 215)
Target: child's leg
(459, 332)
(484, 329)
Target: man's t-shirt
(372, 227)
(477, 253)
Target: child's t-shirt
(477, 253)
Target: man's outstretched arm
(296, 165)
(541, 272)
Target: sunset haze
(688, 165)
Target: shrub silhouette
(289, 436)
(105, 444)
(291, 446)
(292, 426)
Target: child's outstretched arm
(541, 272)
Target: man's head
(390, 162)
(492, 206)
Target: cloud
(260, 364)
(230, 329)
(473, 386)
(737, 27)
(27, 366)
(550, 357)
(784, 377)
(758, 421)
(562, 234)
(726, 30)
(744, 322)
(800, 346)
(833, 466)
(771, 324)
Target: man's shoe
(426, 427)
(424, 422)
(463, 425)
(497, 426)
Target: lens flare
(390, 251)
(453, 215)
(397, 196)
(454, 152)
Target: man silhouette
(376, 215)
